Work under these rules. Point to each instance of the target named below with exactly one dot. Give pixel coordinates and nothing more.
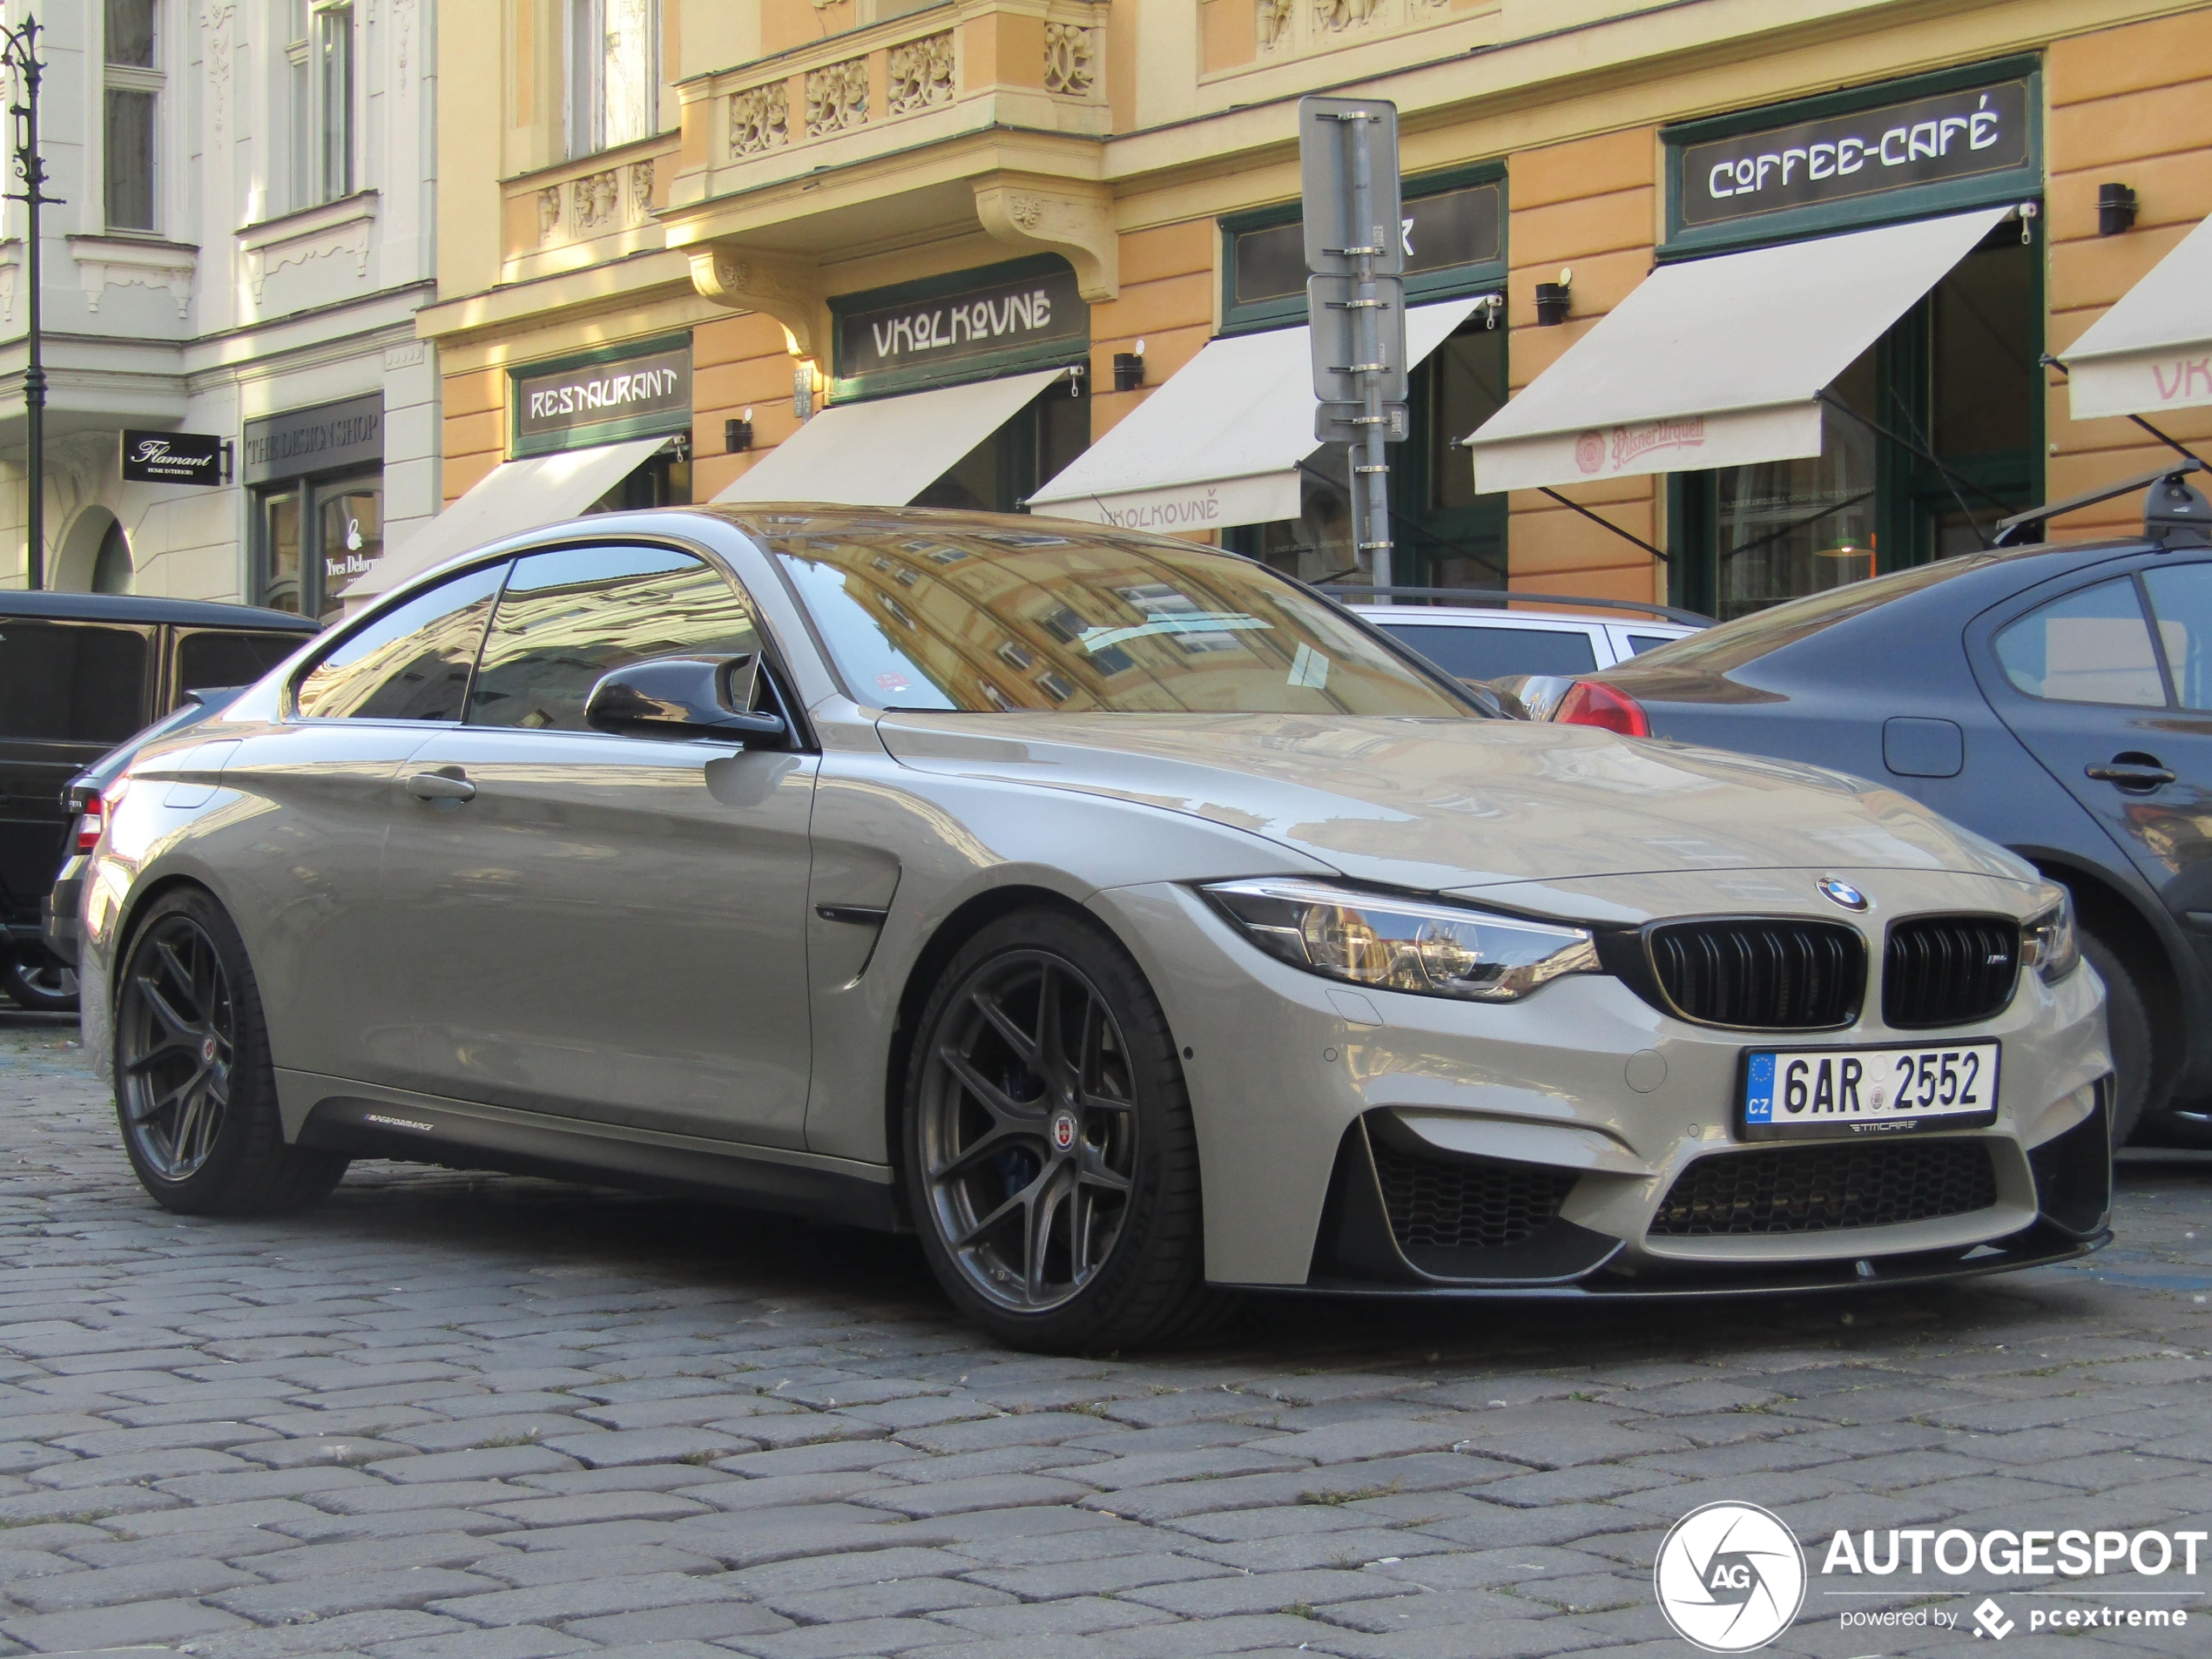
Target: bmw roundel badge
(1841, 892)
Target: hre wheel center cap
(207, 1051)
(1063, 1131)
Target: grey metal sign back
(1355, 251)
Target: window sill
(134, 259)
(324, 231)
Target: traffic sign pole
(1374, 475)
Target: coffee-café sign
(1932, 140)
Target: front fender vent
(1465, 1204)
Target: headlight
(2047, 941)
(1405, 944)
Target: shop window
(313, 539)
(614, 77)
(1000, 474)
(1939, 436)
(318, 56)
(133, 87)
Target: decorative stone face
(641, 192)
(549, 211)
(837, 97)
(1274, 18)
(1068, 59)
(593, 202)
(921, 73)
(1336, 15)
(759, 120)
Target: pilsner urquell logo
(1629, 441)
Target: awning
(2152, 350)
(516, 496)
(888, 450)
(1220, 442)
(1717, 362)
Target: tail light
(1594, 703)
(90, 821)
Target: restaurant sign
(1944, 138)
(613, 395)
(987, 327)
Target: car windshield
(919, 615)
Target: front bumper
(1577, 1115)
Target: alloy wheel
(1029, 1130)
(176, 1029)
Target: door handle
(2131, 772)
(448, 784)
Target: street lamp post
(19, 55)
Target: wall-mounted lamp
(2115, 209)
(737, 435)
(1552, 300)
(1128, 368)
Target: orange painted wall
(2132, 106)
(737, 363)
(1589, 206)
(1166, 301)
(475, 428)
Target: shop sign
(331, 437)
(1015, 314)
(172, 458)
(1440, 233)
(1932, 140)
(555, 409)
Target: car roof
(131, 607)
(1472, 617)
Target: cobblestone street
(453, 1417)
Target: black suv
(80, 672)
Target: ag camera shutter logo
(1730, 1577)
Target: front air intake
(1948, 970)
(1830, 1187)
(1761, 974)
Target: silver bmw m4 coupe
(1127, 921)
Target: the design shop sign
(1926, 141)
(1024, 313)
(557, 407)
(331, 437)
(172, 458)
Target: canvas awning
(514, 497)
(2152, 350)
(1220, 442)
(888, 450)
(1718, 362)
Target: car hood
(1435, 803)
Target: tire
(40, 985)
(195, 1093)
(1076, 1156)
(2128, 1026)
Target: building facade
(992, 252)
(245, 232)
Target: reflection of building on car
(1126, 920)
(2056, 699)
(79, 672)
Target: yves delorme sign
(331, 437)
(554, 407)
(1923, 141)
(172, 458)
(1043, 309)
(1437, 233)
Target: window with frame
(318, 57)
(613, 73)
(131, 91)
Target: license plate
(1789, 1092)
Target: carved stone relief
(549, 213)
(1068, 59)
(921, 73)
(759, 120)
(592, 202)
(216, 20)
(641, 192)
(1337, 15)
(837, 97)
(1274, 23)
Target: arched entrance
(95, 555)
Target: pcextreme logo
(1730, 1577)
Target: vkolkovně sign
(982, 321)
(1924, 141)
(172, 458)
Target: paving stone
(585, 1598)
(509, 1642)
(131, 1625)
(488, 1463)
(694, 1621)
(302, 1599)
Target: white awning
(888, 450)
(1220, 442)
(1716, 362)
(515, 496)
(2152, 350)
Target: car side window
(2181, 597)
(569, 616)
(1481, 652)
(70, 682)
(230, 657)
(1639, 644)
(2089, 646)
(411, 663)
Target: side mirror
(679, 696)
